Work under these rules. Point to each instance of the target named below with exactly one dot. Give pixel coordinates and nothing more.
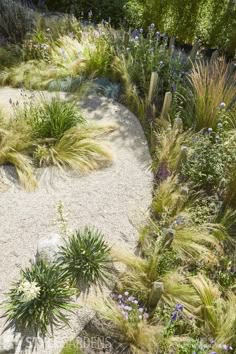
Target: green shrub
(143, 55)
(85, 257)
(216, 24)
(210, 161)
(213, 22)
(40, 300)
(15, 20)
(205, 165)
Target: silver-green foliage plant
(210, 160)
(15, 20)
(40, 299)
(85, 257)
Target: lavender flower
(179, 307)
(174, 316)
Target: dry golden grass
(211, 85)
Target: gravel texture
(115, 200)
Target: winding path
(113, 199)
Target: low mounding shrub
(15, 20)
(40, 299)
(85, 257)
(211, 158)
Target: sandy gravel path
(113, 199)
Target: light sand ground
(113, 199)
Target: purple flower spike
(179, 307)
(174, 316)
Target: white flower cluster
(29, 290)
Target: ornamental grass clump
(218, 314)
(85, 257)
(209, 85)
(40, 300)
(52, 119)
(125, 320)
(51, 133)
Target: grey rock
(48, 247)
(8, 341)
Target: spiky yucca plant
(86, 259)
(40, 299)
